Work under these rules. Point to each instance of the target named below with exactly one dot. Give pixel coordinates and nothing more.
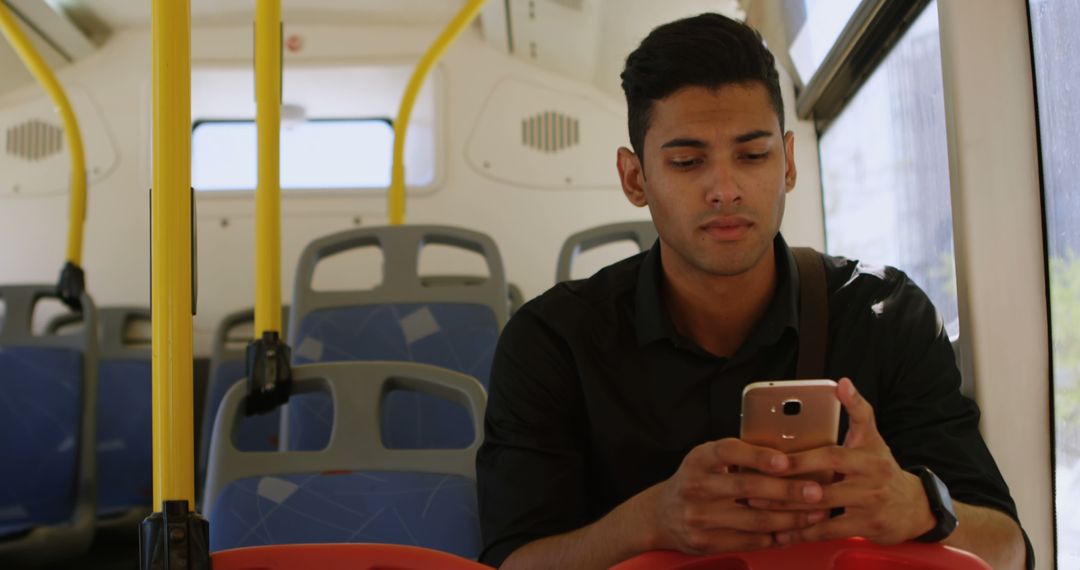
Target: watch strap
(941, 506)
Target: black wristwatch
(941, 505)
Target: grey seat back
(641, 233)
(355, 490)
(47, 479)
(401, 246)
(516, 298)
(452, 323)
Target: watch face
(944, 498)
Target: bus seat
(641, 233)
(355, 490)
(227, 367)
(125, 455)
(454, 325)
(48, 390)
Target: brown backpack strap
(813, 314)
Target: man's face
(715, 175)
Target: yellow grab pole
(268, 194)
(170, 286)
(396, 196)
(41, 72)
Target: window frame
(229, 202)
(867, 38)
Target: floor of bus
(113, 553)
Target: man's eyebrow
(752, 135)
(693, 143)
(698, 143)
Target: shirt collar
(653, 322)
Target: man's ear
(789, 161)
(632, 177)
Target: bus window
(315, 154)
(885, 170)
(1057, 76)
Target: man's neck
(718, 312)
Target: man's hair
(708, 50)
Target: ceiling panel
(13, 72)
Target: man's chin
(735, 264)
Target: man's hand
(701, 509)
(881, 501)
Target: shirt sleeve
(922, 414)
(531, 468)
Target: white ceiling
(119, 14)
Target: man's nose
(724, 188)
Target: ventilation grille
(34, 140)
(550, 131)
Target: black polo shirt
(595, 396)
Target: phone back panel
(764, 422)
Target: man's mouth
(727, 228)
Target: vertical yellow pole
(41, 72)
(268, 194)
(396, 196)
(170, 281)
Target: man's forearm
(621, 534)
(991, 535)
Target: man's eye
(687, 163)
(756, 156)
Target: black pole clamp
(269, 374)
(71, 286)
(174, 539)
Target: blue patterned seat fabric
(420, 509)
(41, 394)
(254, 433)
(457, 336)
(125, 456)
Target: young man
(613, 417)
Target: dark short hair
(708, 50)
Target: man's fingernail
(811, 492)
(783, 538)
(778, 462)
(815, 517)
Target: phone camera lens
(792, 407)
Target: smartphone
(791, 416)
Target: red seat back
(849, 554)
(339, 557)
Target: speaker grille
(34, 140)
(550, 131)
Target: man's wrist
(642, 507)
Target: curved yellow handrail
(170, 250)
(268, 193)
(44, 76)
(396, 196)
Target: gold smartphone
(791, 416)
